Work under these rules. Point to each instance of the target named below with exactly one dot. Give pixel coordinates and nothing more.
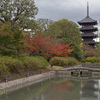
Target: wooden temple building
(88, 29)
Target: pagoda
(88, 29)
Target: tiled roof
(87, 20)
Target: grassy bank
(19, 67)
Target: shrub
(98, 59)
(13, 64)
(83, 60)
(32, 63)
(17, 65)
(60, 61)
(72, 61)
(3, 69)
(42, 61)
(93, 59)
(89, 59)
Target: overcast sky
(73, 10)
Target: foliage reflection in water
(57, 89)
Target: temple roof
(88, 35)
(87, 19)
(89, 42)
(88, 28)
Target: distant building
(30, 31)
(88, 29)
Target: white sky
(73, 10)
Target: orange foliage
(46, 47)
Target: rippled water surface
(57, 89)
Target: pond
(57, 89)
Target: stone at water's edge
(91, 65)
(19, 83)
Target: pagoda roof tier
(87, 20)
(88, 28)
(89, 35)
(89, 42)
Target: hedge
(60, 61)
(13, 64)
(17, 65)
(93, 59)
(32, 63)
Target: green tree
(65, 29)
(77, 50)
(11, 40)
(19, 12)
(43, 25)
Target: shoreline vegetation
(15, 68)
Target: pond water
(57, 89)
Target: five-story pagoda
(88, 29)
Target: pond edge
(20, 83)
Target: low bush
(60, 61)
(14, 65)
(98, 59)
(72, 61)
(93, 59)
(32, 63)
(83, 60)
(42, 61)
(4, 70)
(18, 65)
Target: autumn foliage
(45, 46)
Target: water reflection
(90, 90)
(57, 89)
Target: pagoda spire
(87, 9)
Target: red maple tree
(45, 46)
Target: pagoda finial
(87, 9)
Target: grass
(57, 67)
